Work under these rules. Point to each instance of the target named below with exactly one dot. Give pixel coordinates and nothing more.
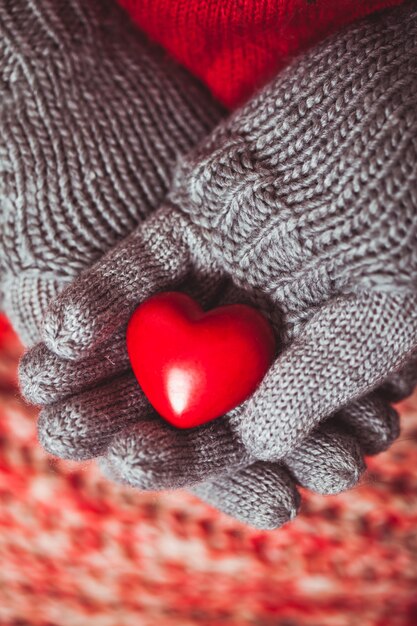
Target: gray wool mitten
(306, 199)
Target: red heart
(195, 366)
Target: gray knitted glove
(306, 198)
(92, 121)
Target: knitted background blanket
(76, 549)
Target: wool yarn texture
(304, 201)
(93, 118)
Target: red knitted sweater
(235, 46)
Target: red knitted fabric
(235, 46)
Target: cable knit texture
(306, 199)
(93, 118)
(316, 176)
(308, 195)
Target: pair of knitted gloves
(120, 177)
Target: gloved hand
(306, 199)
(92, 120)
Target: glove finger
(372, 421)
(262, 495)
(45, 378)
(347, 349)
(82, 427)
(153, 455)
(401, 384)
(26, 298)
(102, 298)
(329, 461)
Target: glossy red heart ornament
(195, 366)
